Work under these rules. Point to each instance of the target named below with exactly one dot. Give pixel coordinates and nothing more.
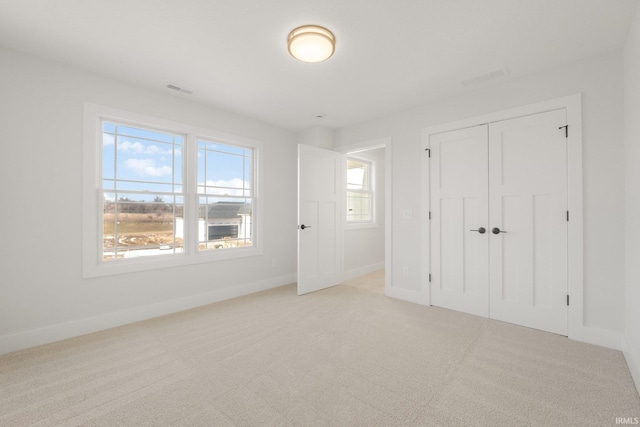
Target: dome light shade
(311, 43)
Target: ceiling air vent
(179, 89)
(486, 77)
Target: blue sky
(154, 160)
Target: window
(224, 196)
(165, 194)
(142, 192)
(360, 195)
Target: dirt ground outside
(139, 230)
(151, 231)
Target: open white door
(320, 231)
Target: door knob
(496, 230)
(480, 230)
(302, 227)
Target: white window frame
(356, 225)
(93, 265)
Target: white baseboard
(586, 334)
(361, 271)
(601, 337)
(633, 361)
(61, 331)
(417, 297)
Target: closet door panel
(459, 205)
(527, 205)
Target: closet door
(459, 220)
(528, 221)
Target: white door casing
(459, 205)
(528, 203)
(572, 105)
(320, 231)
(509, 177)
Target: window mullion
(191, 195)
(115, 202)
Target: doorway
(364, 228)
(322, 217)
(368, 245)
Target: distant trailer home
(224, 223)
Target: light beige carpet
(345, 356)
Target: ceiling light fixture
(311, 43)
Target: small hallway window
(360, 191)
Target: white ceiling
(391, 54)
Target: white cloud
(107, 139)
(138, 148)
(147, 167)
(230, 187)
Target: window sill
(156, 262)
(360, 225)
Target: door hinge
(429, 277)
(428, 150)
(429, 215)
(566, 130)
(567, 216)
(567, 299)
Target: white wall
(42, 294)
(364, 247)
(632, 191)
(316, 136)
(600, 81)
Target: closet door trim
(573, 106)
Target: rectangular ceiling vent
(179, 89)
(486, 77)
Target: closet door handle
(480, 230)
(496, 230)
